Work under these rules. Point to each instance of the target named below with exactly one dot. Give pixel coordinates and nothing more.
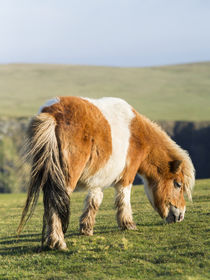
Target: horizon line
(105, 66)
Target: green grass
(180, 92)
(155, 250)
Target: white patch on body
(119, 114)
(49, 103)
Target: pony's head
(165, 191)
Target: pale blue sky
(105, 32)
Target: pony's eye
(177, 184)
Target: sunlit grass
(155, 250)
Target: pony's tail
(47, 171)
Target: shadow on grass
(29, 250)
(10, 244)
(16, 246)
(15, 239)
(20, 237)
(19, 250)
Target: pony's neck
(158, 148)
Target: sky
(126, 33)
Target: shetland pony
(89, 144)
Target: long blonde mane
(176, 152)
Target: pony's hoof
(87, 232)
(61, 246)
(128, 226)
(64, 249)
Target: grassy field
(155, 250)
(180, 92)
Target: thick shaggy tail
(42, 151)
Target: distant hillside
(180, 92)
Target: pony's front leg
(92, 203)
(124, 211)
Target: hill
(180, 92)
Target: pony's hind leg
(54, 236)
(92, 203)
(124, 211)
(55, 219)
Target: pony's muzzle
(175, 215)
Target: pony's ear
(174, 165)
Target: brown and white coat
(91, 144)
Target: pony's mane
(174, 151)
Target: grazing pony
(91, 144)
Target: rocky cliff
(195, 138)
